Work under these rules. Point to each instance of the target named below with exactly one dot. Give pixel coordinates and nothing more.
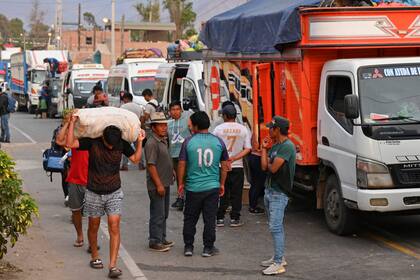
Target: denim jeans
(275, 203)
(5, 132)
(159, 212)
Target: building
(135, 35)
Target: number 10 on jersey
(205, 158)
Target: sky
(205, 9)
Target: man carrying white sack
(104, 194)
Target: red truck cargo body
(287, 83)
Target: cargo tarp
(255, 27)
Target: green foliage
(16, 207)
(149, 12)
(182, 14)
(90, 19)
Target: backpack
(158, 108)
(52, 158)
(11, 104)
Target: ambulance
(78, 83)
(133, 75)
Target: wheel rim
(333, 206)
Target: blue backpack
(11, 104)
(52, 158)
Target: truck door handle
(325, 141)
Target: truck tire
(340, 219)
(30, 108)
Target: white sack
(93, 121)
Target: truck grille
(405, 177)
(409, 176)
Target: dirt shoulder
(31, 258)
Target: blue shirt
(203, 153)
(178, 131)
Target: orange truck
(351, 89)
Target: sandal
(114, 272)
(78, 243)
(96, 264)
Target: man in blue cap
(279, 163)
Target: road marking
(23, 133)
(394, 245)
(125, 256)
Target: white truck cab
(369, 134)
(134, 76)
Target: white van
(78, 83)
(181, 81)
(134, 76)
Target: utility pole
(122, 31)
(59, 22)
(113, 32)
(94, 37)
(150, 10)
(78, 26)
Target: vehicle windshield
(390, 94)
(84, 88)
(38, 76)
(139, 84)
(55, 87)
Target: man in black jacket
(4, 115)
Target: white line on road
(127, 259)
(23, 133)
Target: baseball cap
(158, 117)
(279, 122)
(229, 110)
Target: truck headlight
(373, 175)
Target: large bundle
(93, 121)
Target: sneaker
(66, 201)
(178, 204)
(159, 247)
(209, 252)
(256, 211)
(274, 269)
(236, 223)
(168, 243)
(188, 251)
(269, 262)
(220, 223)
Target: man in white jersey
(237, 139)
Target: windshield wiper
(397, 119)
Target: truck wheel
(339, 218)
(30, 108)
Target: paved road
(388, 247)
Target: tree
(16, 207)
(149, 12)
(4, 27)
(16, 27)
(90, 19)
(182, 14)
(39, 31)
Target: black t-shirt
(104, 164)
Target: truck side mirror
(351, 106)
